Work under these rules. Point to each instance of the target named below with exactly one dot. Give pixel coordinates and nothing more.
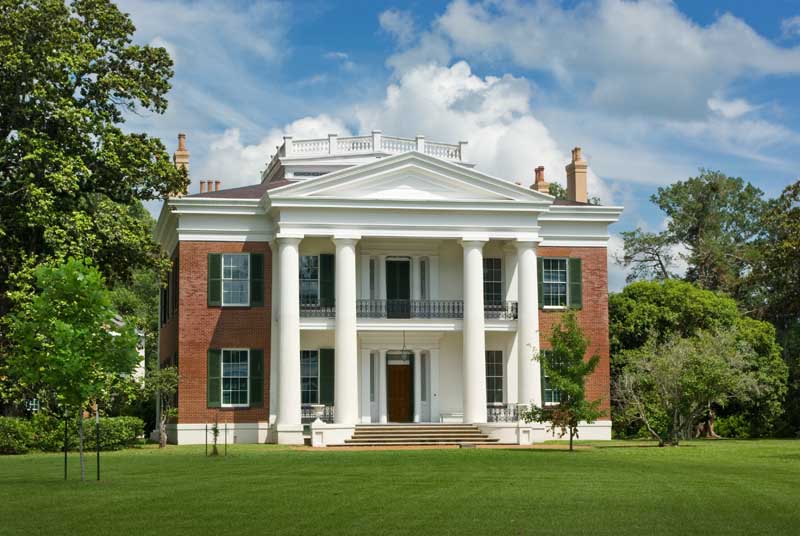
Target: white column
(290, 429)
(474, 349)
(381, 394)
(528, 378)
(417, 384)
(381, 278)
(345, 391)
(366, 376)
(433, 354)
(433, 277)
(274, 335)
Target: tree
(162, 384)
(649, 255)
(670, 386)
(67, 338)
(70, 178)
(649, 312)
(714, 219)
(567, 371)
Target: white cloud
(399, 24)
(730, 109)
(631, 58)
(239, 164)
(791, 26)
(493, 114)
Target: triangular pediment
(410, 177)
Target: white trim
(400, 324)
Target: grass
(732, 487)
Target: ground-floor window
(494, 377)
(309, 377)
(550, 395)
(235, 377)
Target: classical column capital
(525, 244)
(345, 239)
(288, 238)
(470, 242)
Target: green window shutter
(214, 279)
(326, 378)
(327, 290)
(214, 380)
(575, 284)
(256, 280)
(539, 275)
(256, 378)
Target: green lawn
(747, 487)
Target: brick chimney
(539, 183)
(202, 187)
(181, 157)
(216, 185)
(576, 177)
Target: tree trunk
(706, 428)
(570, 439)
(80, 448)
(162, 431)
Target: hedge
(46, 432)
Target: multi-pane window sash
(235, 377)
(494, 377)
(235, 279)
(309, 377)
(492, 281)
(550, 395)
(554, 282)
(309, 280)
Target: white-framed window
(32, 405)
(494, 376)
(235, 377)
(309, 280)
(309, 377)
(554, 283)
(550, 396)
(492, 281)
(236, 279)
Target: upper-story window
(492, 281)
(235, 279)
(554, 282)
(309, 279)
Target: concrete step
(418, 434)
(400, 442)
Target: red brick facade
(592, 318)
(199, 327)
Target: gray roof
(253, 191)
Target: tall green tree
(162, 385)
(714, 219)
(70, 177)
(69, 344)
(567, 371)
(649, 312)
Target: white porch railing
(374, 143)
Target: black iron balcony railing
(410, 309)
(502, 413)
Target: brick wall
(201, 327)
(592, 318)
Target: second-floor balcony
(416, 309)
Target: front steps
(375, 435)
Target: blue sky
(652, 90)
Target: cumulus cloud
(629, 57)
(730, 109)
(399, 24)
(239, 164)
(492, 113)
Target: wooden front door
(400, 399)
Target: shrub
(16, 436)
(733, 426)
(47, 432)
